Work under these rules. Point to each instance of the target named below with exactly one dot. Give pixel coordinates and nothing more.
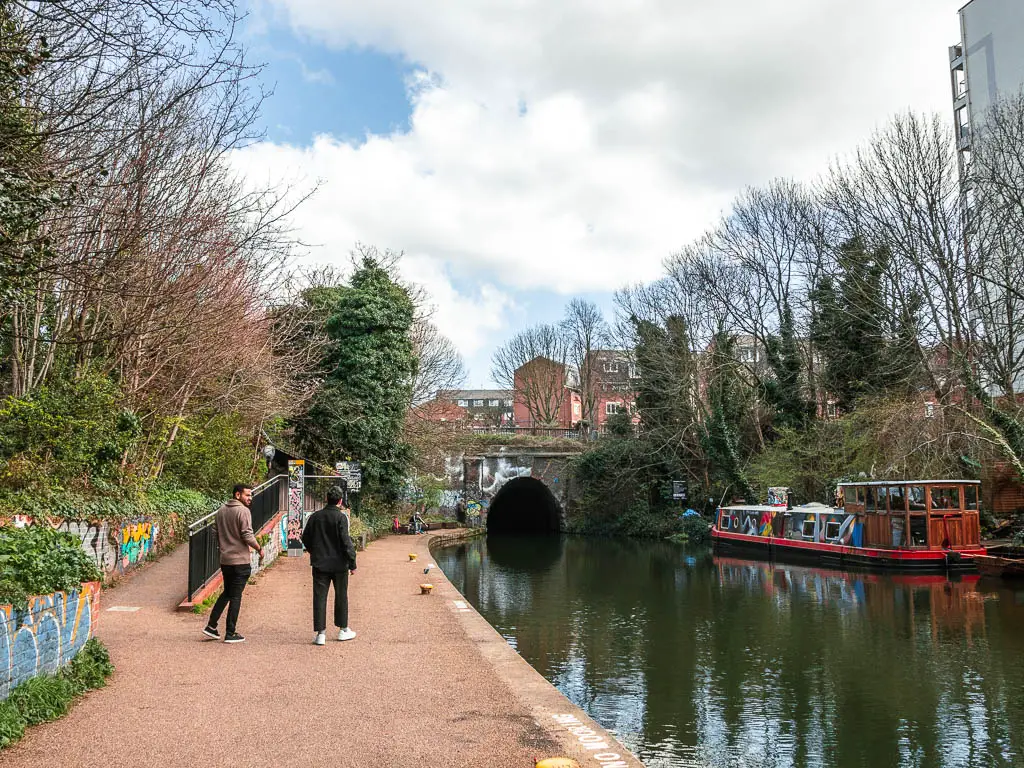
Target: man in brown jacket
(235, 536)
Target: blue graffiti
(45, 637)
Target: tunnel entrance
(524, 505)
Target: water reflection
(696, 660)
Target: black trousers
(322, 581)
(235, 579)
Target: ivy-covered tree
(865, 344)
(360, 408)
(728, 404)
(785, 390)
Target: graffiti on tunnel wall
(45, 637)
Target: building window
(831, 410)
(634, 372)
(508, 403)
(612, 408)
(463, 403)
(494, 403)
(929, 410)
(478, 403)
(611, 366)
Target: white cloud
(574, 144)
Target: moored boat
(915, 525)
(1005, 567)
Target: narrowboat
(911, 525)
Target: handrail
(262, 486)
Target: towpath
(426, 682)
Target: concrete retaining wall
(47, 636)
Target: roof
(911, 482)
(475, 394)
(754, 507)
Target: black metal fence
(203, 550)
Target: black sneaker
(211, 632)
(234, 637)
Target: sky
(522, 152)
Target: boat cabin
(917, 514)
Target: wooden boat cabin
(907, 524)
(929, 514)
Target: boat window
(918, 531)
(860, 494)
(897, 530)
(897, 498)
(831, 530)
(970, 497)
(849, 495)
(945, 498)
(882, 493)
(808, 529)
(869, 494)
(915, 497)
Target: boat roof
(911, 482)
(754, 507)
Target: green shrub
(74, 430)
(210, 454)
(37, 560)
(12, 724)
(693, 530)
(43, 698)
(49, 697)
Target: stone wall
(46, 636)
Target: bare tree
(533, 363)
(586, 332)
(439, 364)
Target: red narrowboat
(913, 525)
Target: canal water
(692, 659)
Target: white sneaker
(346, 634)
(320, 639)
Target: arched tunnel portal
(524, 505)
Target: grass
(49, 697)
(207, 604)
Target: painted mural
(45, 637)
(296, 502)
(828, 526)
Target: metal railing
(268, 499)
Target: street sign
(679, 490)
(355, 476)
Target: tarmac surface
(425, 683)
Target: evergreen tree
(785, 391)
(728, 404)
(864, 344)
(361, 407)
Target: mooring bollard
(425, 588)
(412, 557)
(556, 762)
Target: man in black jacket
(333, 558)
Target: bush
(74, 430)
(49, 697)
(210, 454)
(693, 529)
(38, 560)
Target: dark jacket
(327, 540)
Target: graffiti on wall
(135, 542)
(492, 479)
(296, 501)
(96, 542)
(46, 636)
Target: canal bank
(425, 683)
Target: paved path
(418, 687)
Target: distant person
(333, 558)
(396, 525)
(460, 512)
(234, 534)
